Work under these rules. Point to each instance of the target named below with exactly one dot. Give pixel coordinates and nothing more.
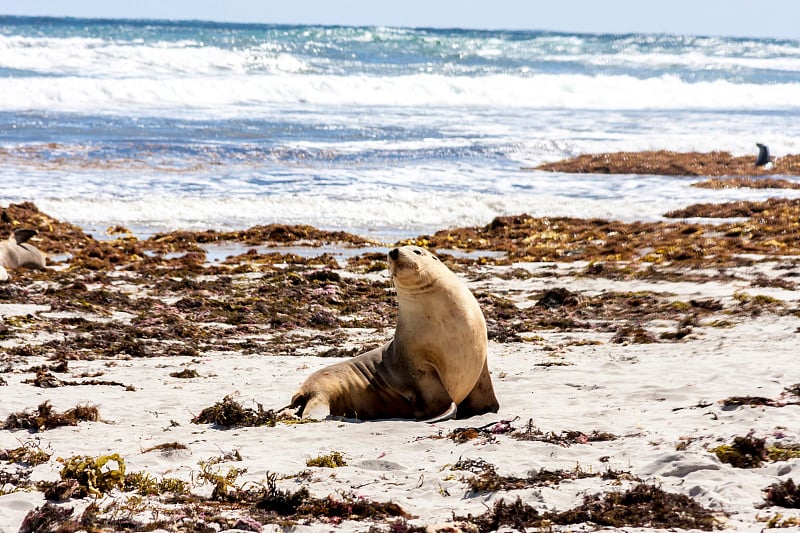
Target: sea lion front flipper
(24, 235)
(447, 415)
(432, 402)
(481, 399)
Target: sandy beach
(646, 393)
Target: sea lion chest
(443, 330)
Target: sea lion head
(414, 269)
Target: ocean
(384, 132)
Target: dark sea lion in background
(764, 159)
(17, 252)
(434, 368)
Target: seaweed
(29, 453)
(167, 447)
(225, 488)
(640, 506)
(279, 501)
(331, 460)
(488, 431)
(486, 478)
(95, 476)
(782, 494)
(146, 485)
(565, 438)
(632, 334)
(752, 401)
(558, 297)
(301, 504)
(743, 452)
(46, 418)
(229, 413)
(186, 373)
(752, 452)
(668, 163)
(746, 182)
(772, 230)
(49, 518)
(783, 453)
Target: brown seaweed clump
(565, 438)
(29, 453)
(229, 413)
(272, 233)
(743, 452)
(486, 478)
(49, 517)
(772, 228)
(301, 504)
(640, 506)
(487, 431)
(667, 163)
(783, 494)
(752, 452)
(746, 183)
(45, 417)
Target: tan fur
(436, 359)
(17, 252)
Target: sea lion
(764, 159)
(435, 366)
(17, 252)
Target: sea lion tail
(449, 414)
(24, 235)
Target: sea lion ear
(23, 235)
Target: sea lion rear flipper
(309, 405)
(24, 235)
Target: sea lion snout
(393, 254)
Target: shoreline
(635, 366)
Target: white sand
(644, 393)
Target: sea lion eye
(418, 252)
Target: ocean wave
(386, 212)
(236, 95)
(148, 52)
(98, 58)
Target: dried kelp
(45, 417)
(229, 413)
(640, 506)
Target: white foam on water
(394, 213)
(236, 95)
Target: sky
(740, 18)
